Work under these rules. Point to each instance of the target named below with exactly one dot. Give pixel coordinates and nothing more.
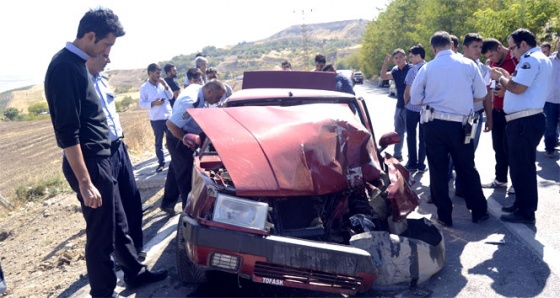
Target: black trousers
(182, 164)
(129, 193)
(106, 229)
(499, 144)
(444, 139)
(171, 192)
(523, 137)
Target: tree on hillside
(11, 113)
(408, 22)
(502, 17)
(38, 108)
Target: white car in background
(392, 88)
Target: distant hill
(299, 44)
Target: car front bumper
(281, 261)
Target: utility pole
(305, 36)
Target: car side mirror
(388, 139)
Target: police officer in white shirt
(447, 87)
(181, 124)
(526, 91)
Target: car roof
(286, 97)
(319, 80)
(287, 88)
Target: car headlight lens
(239, 212)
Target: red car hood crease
(299, 150)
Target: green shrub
(11, 113)
(41, 189)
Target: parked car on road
(291, 188)
(358, 77)
(392, 88)
(381, 82)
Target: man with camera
(499, 56)
(447, 88)
(154, 96)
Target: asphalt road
(490, 259)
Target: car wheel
(188, 271)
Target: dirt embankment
(42, 243)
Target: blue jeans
(400, 127)
(552, 112)
(160, 128)
(415, 158)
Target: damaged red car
(291, 188)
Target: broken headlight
(240, 212)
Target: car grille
(307, 276)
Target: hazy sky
(32, 31)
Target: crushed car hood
(290, 151)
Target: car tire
(188, 271)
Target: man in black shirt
(81, 130)
(170, 76)
(171, 189)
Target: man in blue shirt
(526, 91)
(343, 84)
(415, 158)
(180, 124)
(120, 161)
(448, 86)
(398, 74)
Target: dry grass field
(28, 150)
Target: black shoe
(169, 210)
(509, 209)
(159, 168)
(481, 218)
(445, 223)
(146, 277)
(517, 218)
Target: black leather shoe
(448, 224)
(169, 210)
(478, 219)
(145, 277)
(509, 209)
(517, 218)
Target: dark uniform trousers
(106, 229)
(445, 138)
(128, 190)
(499, 144)
(171, 191)
(182, 163)
(523, 137)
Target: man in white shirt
(154, 96)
